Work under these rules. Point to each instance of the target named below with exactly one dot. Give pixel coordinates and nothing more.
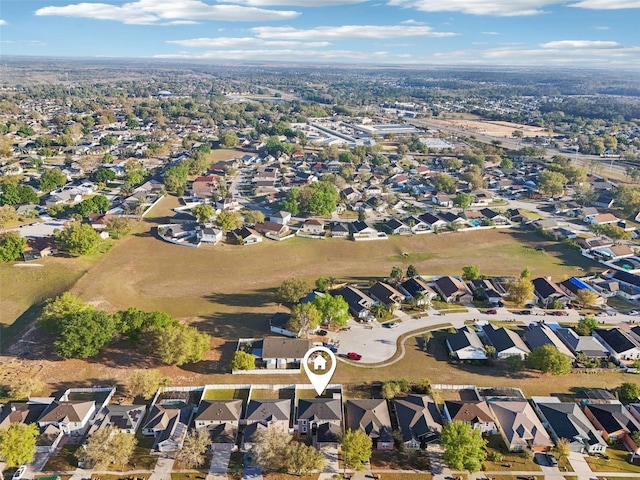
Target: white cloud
(244, 43)
(298, 55)
(350, 32)
(580, 44)
(479, 7)
(489, 33)
(149, 12)
(3, 22)
(295, 3)
(607, 4)
(602, 27)
(412, 22)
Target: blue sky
(581, 33)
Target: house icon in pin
(319, 362)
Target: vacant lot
(230, 288)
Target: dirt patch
(492, 128)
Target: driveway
(220, 458)
(331, 459)
(580, 465)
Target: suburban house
(619, 344)
(485, 289)
(313, 226)
(338, 230)
(416, 225)
(432, 221)
(539, 334)
(495, 217)
(71, 417)
(278, 323)
(418, 289)
(210, 235)
(519, 426)
(419, 420)
(475, 413)
(168, 424)
(386, 294)
(360, 303)
(281, 353)
(215, 412)
(372, 417)
(506, 342)
(613, 421)
(272, 229)
(549, 292)
(466, 345)
(453, 290)
(247, 236)
(205, 186)
(396, 227)
(322, 418)
(573, 285)
(221, 419)
(21, 412)
(566, 420)
(126, 418)
(589, 346)
(265, 414)
(362, 231)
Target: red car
(492, 312)
(558, 314)
(354, 356)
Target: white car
(634, 313)
(20, 472)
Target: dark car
(354, 356)
(525, 312)
(322, 333)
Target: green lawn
(617, 462)
(64, 460)
(510, 461)
(226, 394)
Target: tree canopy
(520, 291)
(193, 453)
(14, 194)
(356, 448)
(178, 344)
(464, 447)
(471, 272)
(334, 310)
(243, 361)
(629, 391)
(305, 318)
(549, 359)
(78, 239)
(229, 220)
(51, 179)
(18, 443)
(586, 325)
(11, 246)
(84, 333)
(292, 290)
(145, 383)
(108, 448)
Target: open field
(230, 288)
(491, 127)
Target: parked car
(322, 333)
(354, 356)
(20, 472)
(552, 460)
(558, 313)
(492, 311)
(525, 312)
(392, 324)
(634, 313)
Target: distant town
(173, 241)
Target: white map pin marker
(316, 366)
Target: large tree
(549, 359)
(51, 179)
(145, 382)
(356, 448)
(292, 290)
(78, 239)
(551, 183)
(586, 325)
(305, 318)
(629, 391)
(18, 444)
(471, 272)
(193, 453)
(444, 183)
(269, 448)
(520, 291)
(586, 297)
(229, 220)
(14, 194)
(253, 216)
(243, 361)
(57, 309)
(464, 447)
(463, 200)
(179, 344)
(334, 310)
(11, 246)
(83, 334)
(108, 447)
(203, 212)
(301, 459)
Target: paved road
(376, 343)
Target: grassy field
(617, 462)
